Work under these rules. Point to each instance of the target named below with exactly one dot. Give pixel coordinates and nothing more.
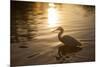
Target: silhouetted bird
(66, 39)
(71, 45)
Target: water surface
(32, 25)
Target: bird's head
(59, 29)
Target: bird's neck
(60, 34)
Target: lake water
(32, 24)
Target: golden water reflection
(52, 15)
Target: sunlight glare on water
(52, 15)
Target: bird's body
(68, 40)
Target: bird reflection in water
(71, 45)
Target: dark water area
(32, 24)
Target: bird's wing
(68, 40)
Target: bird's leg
(59, 54)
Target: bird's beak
(54, 30)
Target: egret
(71, 45)
(66, 39)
